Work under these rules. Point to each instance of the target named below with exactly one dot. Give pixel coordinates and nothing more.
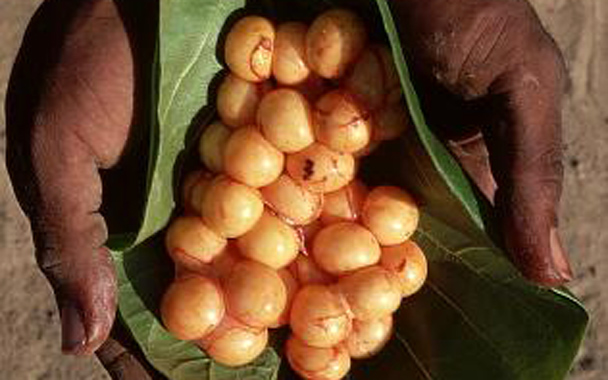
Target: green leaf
(187, 64)
(476, 317)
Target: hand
(491, 79)
(73, 99)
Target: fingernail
(73, 335)
(560, 261)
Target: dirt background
(29, 325)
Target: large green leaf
(476, 317)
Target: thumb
(84, 286)
(524, 144)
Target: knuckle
(497, 30)
(552, 172)
(552, 63)
(49, 262)
(73, 268)
(542, 173)
(57, 271)
(550, 159)
(468, 57)
(544, 162)
(52, 267)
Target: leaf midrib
(195, 58)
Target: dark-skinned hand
(490, 79)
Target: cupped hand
(491, 81)
(75, 96)
(76, 92)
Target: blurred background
(29, 323)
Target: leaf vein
(435, 288)
(417, 361)
(422, 175)
(463, 251)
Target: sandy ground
(29, 329)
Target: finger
(120, 363)
(69, 108)
(86, 298)
(523, 133)
(123, 360)
(526, 158)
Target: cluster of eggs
(277, 229)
